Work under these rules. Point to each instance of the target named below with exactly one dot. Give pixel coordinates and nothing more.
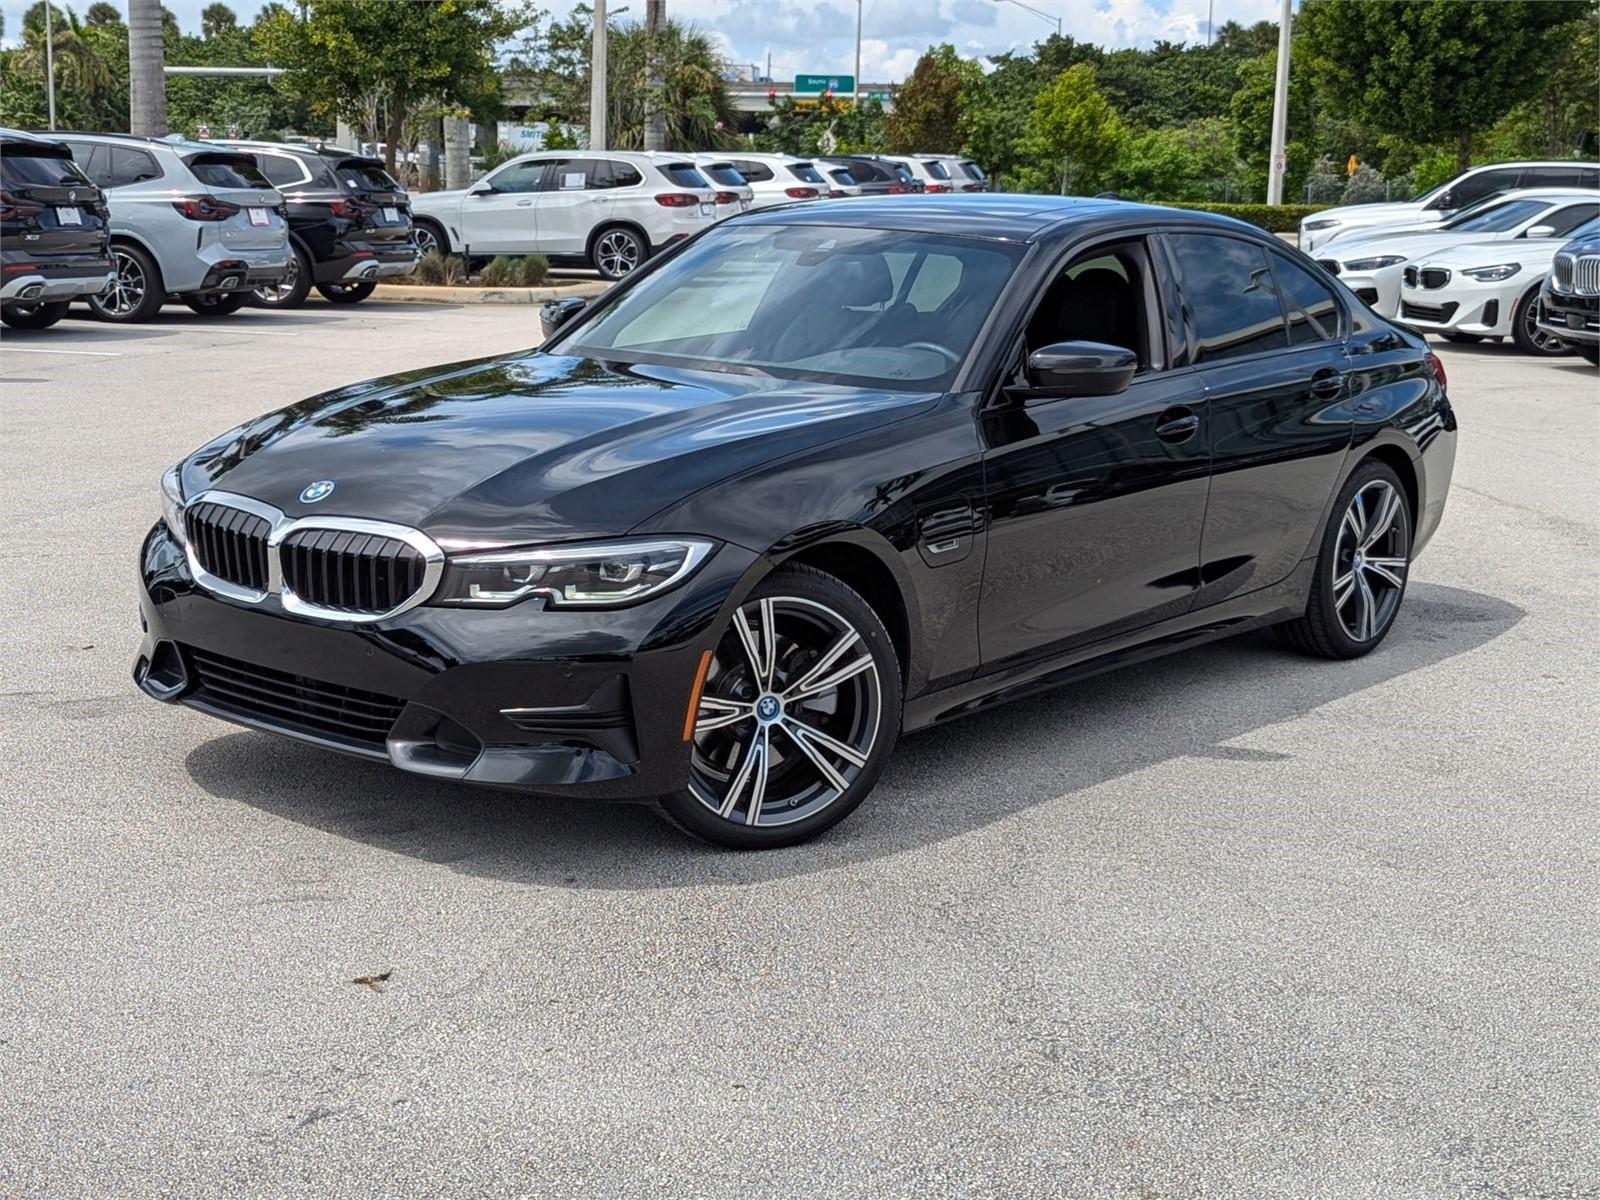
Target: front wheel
(218, 304)
(1525, 331)
(618, 251)
(1361, 570)
(345, 293)
(799, 711)
(39, 315)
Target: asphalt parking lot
(1231, 924)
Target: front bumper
(588, 703)
(1462, 306)
(1573, 319)
(1378, 290)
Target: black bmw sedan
(816, 478)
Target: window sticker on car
(573, 179)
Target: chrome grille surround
(1561, 272)
(1586, 275)
(281, 527)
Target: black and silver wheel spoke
(1370, 560)
(793, 667)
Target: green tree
(1431, 70)
(102, 13)
(1555, 121)
(1252, 122)
(388, 68)
(927, 107)
(86, 83)
(1076, 126)
(216, 19)
(1156, 164)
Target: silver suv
(189, 221)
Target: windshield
(1423, 197)
(360, 175)
(1497, 218)
(936, 168)
(864, 306)
(1588, 229)
(974, 170)
(724, 174)
(24, 166)
(805, 173)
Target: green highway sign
(812, 85)
(875, 95)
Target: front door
(1095, 502)
(497, 214)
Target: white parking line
(241, 331)
(51, 350)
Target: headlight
(1375, 264)
(1313, 226)
(597, 575)
(172, 503)
(1493, 274)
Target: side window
(576, 175)
(92, 160)
(754, 172)
(1313, 311)
(1228, 291)
(1476, 187)
(1552, 177)
(1565, 220)
(131, 166)
(280, 169)
(1589, 177)
(624, 174)
(520, 177)
(1104, 295)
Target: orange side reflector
(694, 695)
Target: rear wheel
(618, 251)
(1361, 570)
(136, 294)
(291, 290)
(218, 304)
(345, 293)
(800, 710)
(39, 315)
(1525, 331)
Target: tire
(345, 293)
(137, 294)
(217, 304)
(754, 783)
(430, 237)
(1343, 591)
(1592, 353)
(1462, 337)
(39, 315)
(1530, 339)
(291, 291)
(617, 251)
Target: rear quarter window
(129, 165)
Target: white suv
(779, 178)
(607, 209)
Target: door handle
(1177, 425)
(524, 203)
(1327, 384)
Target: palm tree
(692, 96)
(80, 72)
(147, 83)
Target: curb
(426, 294)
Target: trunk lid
(234, 178)
(382, 207)
(50, 207)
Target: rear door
(578, 194)
(50, 208)
(1275, 376)
(234, 179)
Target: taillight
(727, 197)
(205, 208)
(897, 189)
(798, 193)
(937, 187)
(13, 209)
(835, 194)
(677, 199)
(1437, 368)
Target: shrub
(1280, 218)
(439, 270)
(500, 271)
(534, 270)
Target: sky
(818, 36)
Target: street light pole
(1043, 16)
(50, 62)
(1280, 109)
(855, 86)
(597, 79)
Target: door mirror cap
(1445, 202)
(553, 314)
(1541, 231)
(482, 189)
(1081, 369)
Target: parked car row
(1478, 273)
(213, 225)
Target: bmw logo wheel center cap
(320, 490)
(769, 709)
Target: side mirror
(1081, 369)
(553, 314)
(1541, 231)
(482, 189)
(1445, 202)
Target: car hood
(1367, 214)
(1535, 254)
(532, 447)
(1411, 245)
(435, 201)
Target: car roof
(174, 142)
(1532, 162)
(21, 137)
(306, 148)
(1011, 216)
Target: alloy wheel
(277, 293)
(427, 242)
(1370, 560)
(616, 253)
(789, 714)
(127, 290)
(1541, 340)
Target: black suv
(53, 236)
(1569, 301)
(877, 176)
(349, 222)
